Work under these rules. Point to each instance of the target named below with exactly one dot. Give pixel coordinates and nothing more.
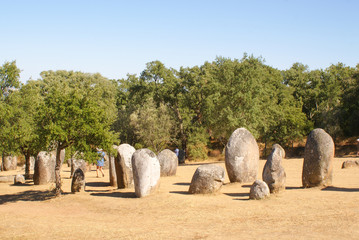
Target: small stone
(6, 179)
(350, 163)
(207, 179)
(19, 179)
(259, 190)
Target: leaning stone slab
(168, 162)
(6, 179)
(273, 171)
(242, 156)
(19, 179)
(123, 166)
(318, 159)
(259, 190)
(350, 163)
(44, 168)
(207, 179)
(78, 181)
(146, 172)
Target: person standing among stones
(100, 162)
(177, 151)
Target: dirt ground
(104, 212)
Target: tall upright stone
(9, 163)
(242, 156)
(146, 172)
(78, 163)
(318, 159)
(78, 181)
(112, 170)
(44, 168)
(123, 166)
(273, 171)
(168, 162)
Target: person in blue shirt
(100, 162)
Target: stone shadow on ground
(239, 196)
(293, 188)
(180, 192)
(182, 184)
(30, 195)
(97, 184)
(340, 189)
(116, 194)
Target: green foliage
(153, 125)
(9, 78)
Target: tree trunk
(2, 162)
(27, 164)
(57, 171)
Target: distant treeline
(195, 108)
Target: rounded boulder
(207, 178)
(259, 190)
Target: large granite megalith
(273, 171)
(242, 156)
(207, 178)
(168, 162)
(123, 166)
(146, 172)
(318, 159)
(44, 168)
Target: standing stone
(19, 179)
(208, 178)
(146, 172)
(44, 168)
(168, 162)
(242, 156)
(78, 163)
(123, 166)
(9, 163)
(112, 171)
(181, 156)
(273, 172)
(318, 159)
(259, 190)
(78, 181)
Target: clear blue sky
(119, 37)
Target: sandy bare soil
(103, 212)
